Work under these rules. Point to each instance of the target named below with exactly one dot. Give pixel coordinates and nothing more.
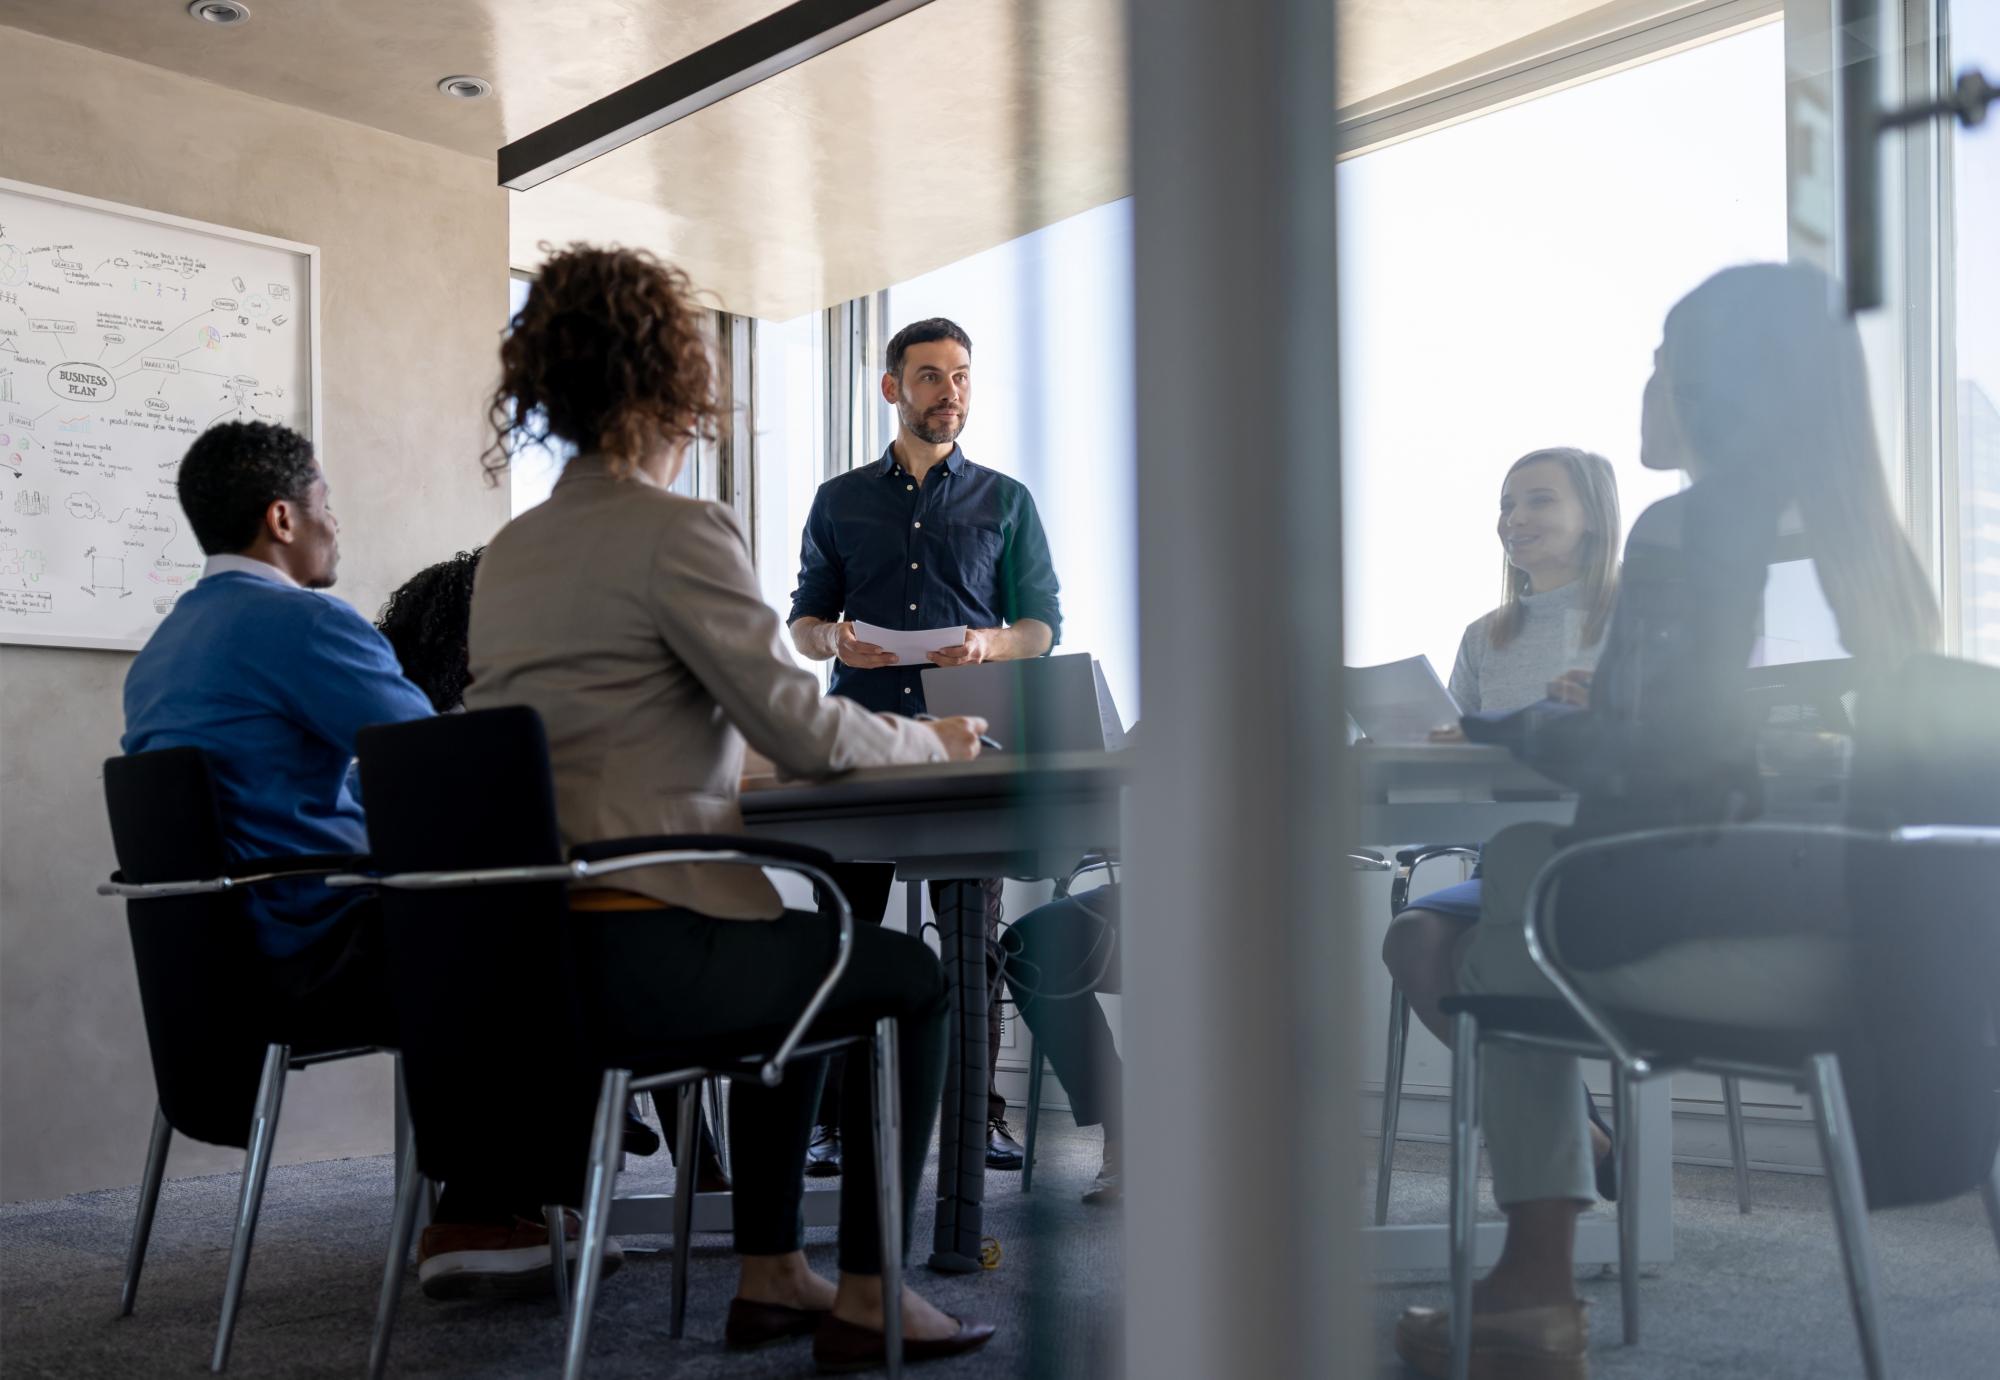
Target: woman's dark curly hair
(610, 353)
(426, 621)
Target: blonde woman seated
(630, 619)
(1559, 533)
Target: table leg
(955, 1243)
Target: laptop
(1044, 704)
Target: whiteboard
(124, 334)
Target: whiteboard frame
(308, 252)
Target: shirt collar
(954, 462)
(246, 565)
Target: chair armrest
(1408, 860)
(244, 872)
(1538, 912)
(609, 857)
(1367, 860)
(606, 850)
(1089, 862)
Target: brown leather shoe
(758, 1324)
(840, 1347)
(1525, 1344)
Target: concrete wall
(413, 244)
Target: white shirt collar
(246, 565)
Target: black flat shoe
(759, 1324)
(840, 1347)
(1607, 1168)
(823, 1155)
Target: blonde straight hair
(1597, 490)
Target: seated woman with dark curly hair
(425, 621)
(629, 618)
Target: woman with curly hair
(629, 617)
(425, 621)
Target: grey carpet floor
(309, 1305)
(1758, 1297)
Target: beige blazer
(630, 618)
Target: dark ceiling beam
(795, 34)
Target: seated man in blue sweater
(273, 680)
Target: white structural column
(1240, 1024)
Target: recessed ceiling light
(465, 88)
(220, 11)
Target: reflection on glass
(1973, 40)
(1502, 287)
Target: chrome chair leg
(1035, 1069)
(1990, 1191)
(402, 1226)
(149, 1203)
(606, 1150)
(687, 1117)
(1850, 1205)
(552, 1215)
(888, 1111)
(1739, 1145)
(1392, 1099)
(1626, 1129)
(1464, 1184)
(256, 1169)
(718, 1123)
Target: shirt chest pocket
(972, 553)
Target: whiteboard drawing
(124, 334)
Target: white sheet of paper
(1400, 702)
(911, 648)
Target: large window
(1050, 316)
(1503, 286)
(788, 413)
(1973, 39)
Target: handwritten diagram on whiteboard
(124, 335)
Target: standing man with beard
(924, 538)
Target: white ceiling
(947, 131)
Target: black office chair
(1037, 1065)
(1924, 841)
(221, 1046)
(462, 828)
(1407, 862)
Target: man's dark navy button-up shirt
(964, 547)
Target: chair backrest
(1929, 747)
(495, 1056)
(1921, 1079)
(199, 984)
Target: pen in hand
(984, 741)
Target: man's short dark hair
(233, 473)
(923, 333)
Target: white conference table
(1466, 793)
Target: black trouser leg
(1059, 957)
(920, 1037)
(674, 979)
(867, 886)
(769, 1129)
